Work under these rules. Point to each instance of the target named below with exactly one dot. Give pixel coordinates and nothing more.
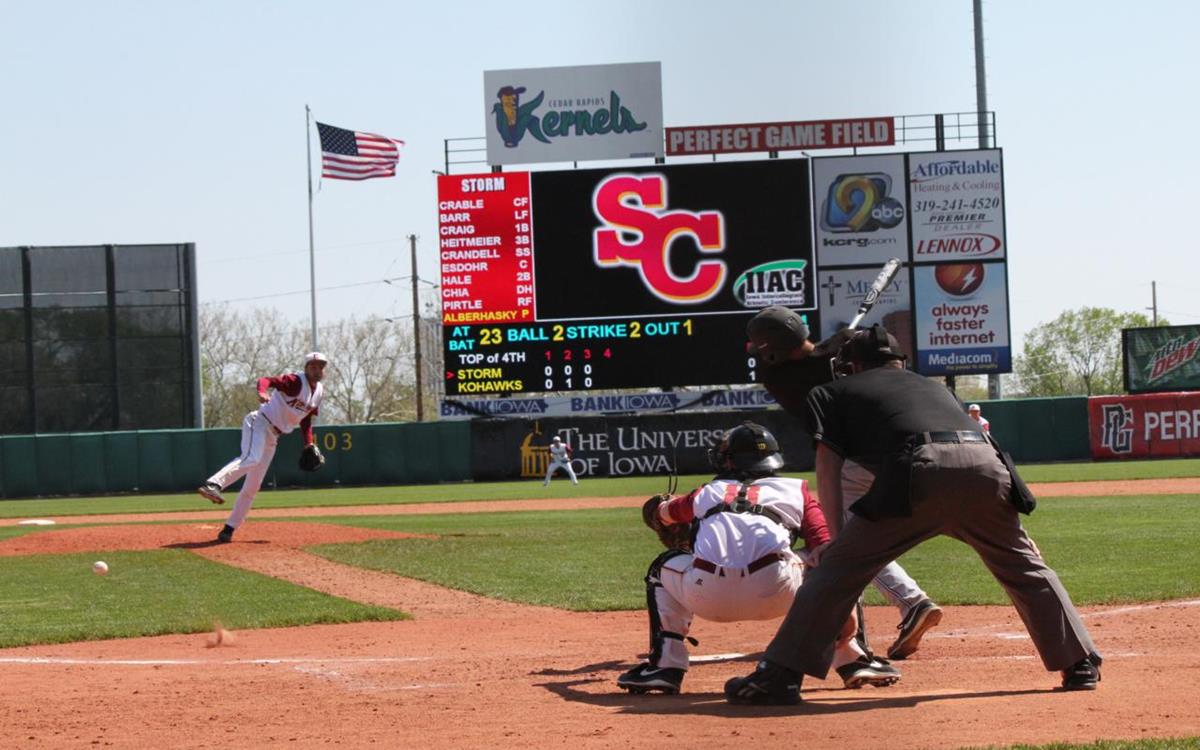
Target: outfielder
(730, 558)
(295, 401)
(793, 366)
(560, 458)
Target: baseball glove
(311, 458)
(673, 536)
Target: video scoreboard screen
(630, 278)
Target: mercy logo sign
(514, 120)
(637, 230)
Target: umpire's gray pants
(960, 490)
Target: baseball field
(499, 615)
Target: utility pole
(1154, 303)
(993, 380)
(412, 242)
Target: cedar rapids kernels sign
(573, 114)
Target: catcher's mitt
(311, 458)
(673, 536)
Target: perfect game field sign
(631, 278)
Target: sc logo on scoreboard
(634, 206)
(861, 203)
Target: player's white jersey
(559, 452)
(738, 539)
(287, 412)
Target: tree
(1077, 353)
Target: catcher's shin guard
(663, 642)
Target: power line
(330, 248)
(305, 291)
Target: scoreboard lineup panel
(634, 278)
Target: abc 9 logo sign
(860, 203)
(959, 279)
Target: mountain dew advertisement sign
(1161, 359)
(577, 113)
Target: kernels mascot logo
(514, 118)
(638, 231)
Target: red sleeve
(289, 384)
(813, 526)
(306, 429)
(681, 509)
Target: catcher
(729, 557)
(294, 403)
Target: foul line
(191, 662)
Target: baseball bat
(877, 286)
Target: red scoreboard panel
(596, 279)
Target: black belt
(752, 568)
(948, 436)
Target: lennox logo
(779, 282)
(1171, 356)
(959, 244)
(1116, 428)
(633, 207)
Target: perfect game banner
(668, 241)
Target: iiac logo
(861, 203)
(1116, 428)
(639, 231)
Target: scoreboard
(630, 278)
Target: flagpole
(312, 256)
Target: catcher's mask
(747, 449)
(868, 348)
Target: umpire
(936, 473)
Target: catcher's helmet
(747, 449)
(867, 348)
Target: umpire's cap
(748, 449)
(774, 333)
(868, 348)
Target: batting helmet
(748, 449)
(867, 348)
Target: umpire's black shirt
(869, 416)
(789, 383)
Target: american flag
(350, 155)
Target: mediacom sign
(962, 319)
(781, 136)
(1145, 426)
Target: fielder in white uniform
(974, 413)
(295, 401)
(741, 565)
(560, 458)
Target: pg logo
(638, 231)
(1116, 428)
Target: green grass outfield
(57, 599)
(1137, 549)
(466, 491)
(1172, 743)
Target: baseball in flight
(100, 568)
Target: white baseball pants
(560, 465)
(729, 595)
(259, 439)
(896, 585)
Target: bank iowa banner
(1161, 359)
(1145, 426)
(574, 113)
(621, 446)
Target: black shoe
(212, 491)
(646, 677)
(226, 534)
(866, 671)
(769, 684)
(1083, 674)
(914, 625)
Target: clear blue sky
(184, 122)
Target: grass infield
(57, 598)
(1130, 550)
(519, 490)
